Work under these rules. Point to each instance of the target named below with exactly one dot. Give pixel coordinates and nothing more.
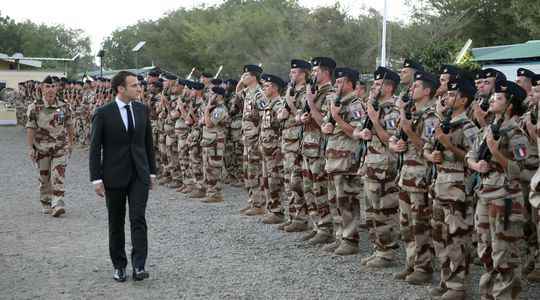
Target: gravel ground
(196, 250)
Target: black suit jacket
(114, 156)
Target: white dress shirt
(123, 112)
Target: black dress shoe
(140, 274)
(120, 274)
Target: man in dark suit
(122, 166)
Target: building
(508, 58)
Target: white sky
(98, 18)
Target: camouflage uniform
(195, 171)
(181, 129)
(414, 207)
(162, 149)
(381, 190)
(213, 147)
(51, 124)
(272, 162)
(313, 173)
(233, 155)
(171, 142)
(534, 200)
(341, 165)
(452, 194)
(497, 234)
(254, 102)
(292, 161)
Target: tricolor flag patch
(356, 114)
(520, 152)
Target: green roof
(529, 49)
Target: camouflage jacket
(213, 135)
(51, 124)
(514, 145)
(292, 129)
(342, 151)
(254, 102)
(313, 141)
(380, 162)
(463, 134)
(412, 177)
(269, 138)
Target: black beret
(64, 79)
(48, 80)
(351, 74)
(170, 76)
(197, 86)
(231, 81)
(153, 73)
(490, 72)
(181, 81)
(536, 80)
(409, 63)
(158, 84)
(511, 89)
(324, 62)
(88, 81)
(218, 90)
(450, 70)
(207, 75)
(427, 77)
(54, 78)
(301, 64)
(387, 74)
(525, 72)
(464, 86)
(253, 68)
(216, 81)
(140, 78)
(273, 79)
(160, 80)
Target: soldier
(50, 140)
(291, 137)
(529, 246)
(380, 169)
(499, 157)
(417, 124)
(534, 196)
(342, 161)
(315, 107)
(269, 143)
(195, 120)
(181, 130)
(446, 151)
(213, 144)
(406, 74)
(233, 155)
(249, 90)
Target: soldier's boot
(331, 247)
(403, 274)
(296, 226)
(58, 211)
(283, 225)
(273, 218)
(255, 211)
(534, 276)
(46, 208)
(237, 183)
(419, 278)
(308, 236)
(453, 295)
(197, 193)
(214, 199)
(365, 260)
(164, 180)
(187, 189)
(346, 248)
(180, 188)
(173, 184)
(243, 210)
(437, 292)
(380, 262)
(321, 237)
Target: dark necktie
(130, 121)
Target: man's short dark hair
(120, 80)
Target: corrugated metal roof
(530, 49)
